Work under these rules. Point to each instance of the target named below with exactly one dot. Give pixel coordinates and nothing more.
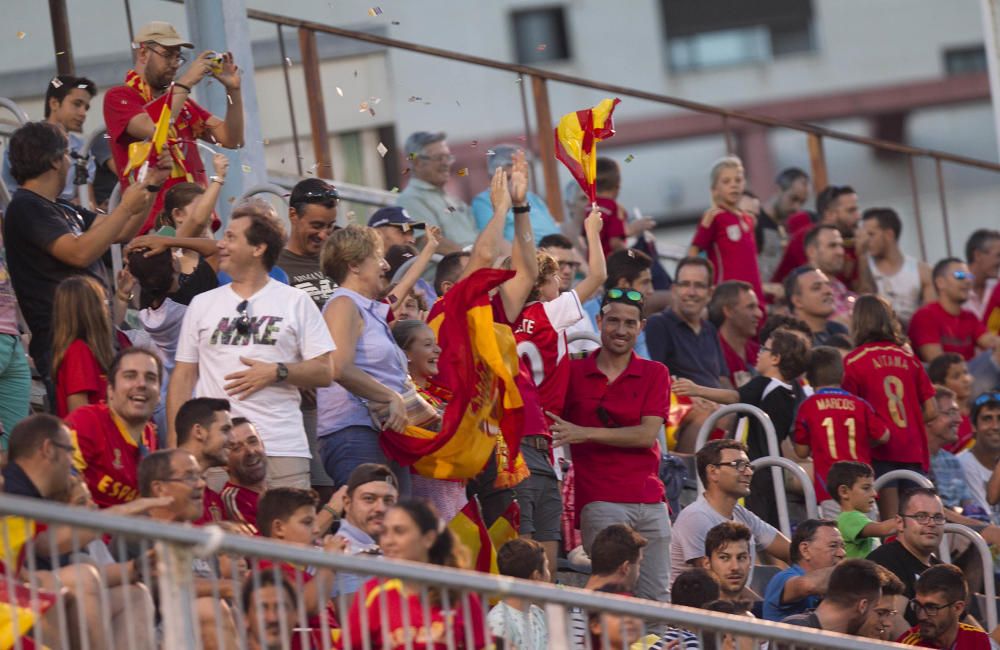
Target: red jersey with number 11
(895, 383)
(837, 426)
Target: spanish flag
(142, 154)
(18, 605)
(577, 135)
(470, 529)
(507, 525)
(478, 365)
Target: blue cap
(394, 216)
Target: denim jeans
(15, 383)
(344, 450)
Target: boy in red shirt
(833, 424)
(726, 233)
(943, 326)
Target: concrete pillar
(222, 25)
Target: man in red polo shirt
(127, 115)
(944, 326)
(615, 406)
(837, 205)
(203, 428)
(735, 312)
(112, 437)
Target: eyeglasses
(440, 158)
(764, 348)
(924, 518)
(63, 446)
(175, 56)
(931, 609)
(691, 284)
(962, 275)
(243, 322)
(329, 197)
(188, 479)
(738, 465)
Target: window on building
(965, 60)
(540, 35)
(710, 33)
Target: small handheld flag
(577, 135)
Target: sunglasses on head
(987, 397)
(328, 197)
(243, 322)
(627, 296)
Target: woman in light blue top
(370, 369)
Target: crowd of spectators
(238, 375)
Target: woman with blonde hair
(371, 370)
(83, 343)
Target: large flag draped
(484, 410)
(577, 135)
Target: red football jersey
(540, 333)
(729, 241)
(411, 630)
(894, 382)
(239, 504)
(106, 455)
(991, 315)
(837, 426)
(932, 324)
(213, 511)
(79, 372)
(969, 637)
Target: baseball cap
(370, 473)
(394, 216)
(161, 33)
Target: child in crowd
(776, 391)
(851, 482)
(617, 227)
(950, 370)
(726, 233)
(515, 620)
(833, 424)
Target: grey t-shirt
(694, 522)
(304, 273)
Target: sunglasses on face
(243, 322)
(962, 275)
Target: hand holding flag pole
(577, 135)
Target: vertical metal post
(128, 21)
(817, 161)
(727, 132)
(291, 104)
(222, 25)
(61, 37)
(916, 207)
(547, 147)
(944, 206)
(527, 126)
(991, 41)
(314, 96)
(176, 585)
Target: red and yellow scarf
(158, 108)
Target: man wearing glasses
(939, 604)
(945, 326)
(919, 529)
(425, 199)
(158, 59)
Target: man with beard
(110, 438)
(727, 555)
(157, 60)
(837, 206)
(371, 490)
(904, 280)
(809, 293)
(247, 468)
(942, 596)
(735, 312)
(204, 429)
(855, 588)
(267, 599)
(825, 251)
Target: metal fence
(188, 587)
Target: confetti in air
(490, 152)
(340, 91)
(464, 171)
(629, 158)
(56, 83)
(375, 11)
(414, 98)
(406, 171)
(395, 190)
(246, 169)
(288, 62)
(395, 22)
(21, 35)
(382, 149)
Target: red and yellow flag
(143, 153)
(507, 525)
(478, 364)
(577, 135)
(470, 529)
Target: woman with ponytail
(417, 616)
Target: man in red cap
(157, 62)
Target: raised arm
(598, 268)
(515, 292)
(487, 245)
(202, 206)
(399, 293)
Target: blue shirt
(774, 609)
(694, 356)
(949, 479)
(593, 307)
(542, 222)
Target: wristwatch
(521, 209)
(281, 372)
(217, 179)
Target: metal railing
(773, 450)
(198, 613)
(985, 556)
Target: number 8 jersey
(540, 332)
(894, 382)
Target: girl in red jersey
(884, 371)
(726, 233)
(396, 614)
(83, 343)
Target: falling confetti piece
(282, 161)
(413, 156)
(382, 149)
(395, 22)
(288, 62)
(394, 190)
(363, 107)
(375, 11)
(246, 169)
(60, 53)
(372, 111)
(355, 74)
(451, 208)
(459, 105)
(340, 91)
(518, 80)
(56, 83)
(266, 141)
(475, 143)
(21, 35)
(541, 47)
(490, 152)
(629, 158)
(374, 100)
(406, 171)
(414, 98)
(464, 171)
(351, 214)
